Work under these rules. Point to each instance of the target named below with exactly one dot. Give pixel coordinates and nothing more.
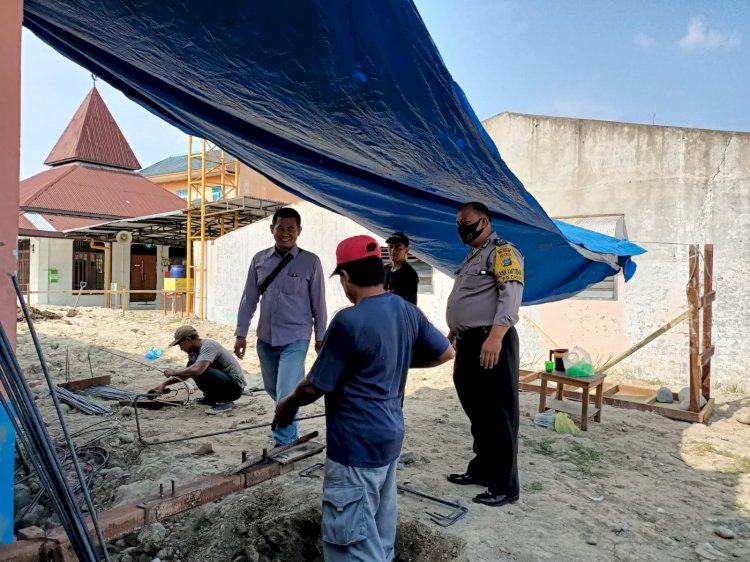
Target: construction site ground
(634, 487)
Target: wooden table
(581, 410)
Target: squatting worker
(288, 282)
(362, 369)
(215, 371)
(482, 311)
(400, 277)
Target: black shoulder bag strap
(271, 276)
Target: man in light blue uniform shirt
(362, 369)
(288, 282)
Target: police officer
(482, 311)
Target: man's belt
(479, 331)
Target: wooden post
(693, 321)
(708, 271)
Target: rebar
(133, 360)
(145, 443)
(107, 392)
(85, 545)
(79, 403)
(31, 432)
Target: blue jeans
(359, 513)
(282, 367)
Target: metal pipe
(203, 231)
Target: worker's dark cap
(398, 238)
(183, 332)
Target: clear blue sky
(683, 63)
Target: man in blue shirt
(289, 284)
(361, 370)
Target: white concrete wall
(675, 187)
(53, 253)
(228, 259)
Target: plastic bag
(153, 353)
(578, 363)
(563, 424)
(544, 419)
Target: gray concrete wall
(675, 187)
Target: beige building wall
(675, 187)
(253, 184)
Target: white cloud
(645, 43)
(700, 36)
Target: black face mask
(469, 232)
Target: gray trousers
(359, 513)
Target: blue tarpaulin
(346, 104)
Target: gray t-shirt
(219, 358)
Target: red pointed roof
(93, 136)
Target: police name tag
(507, 267)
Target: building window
(182, 193)
(215, 193)
(611, 225)
(88, 266)
(423, 269)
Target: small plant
(584, 458)
(541, 447)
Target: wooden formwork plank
(709, 295)
(694, 326)
(673, 413)
(86, 383)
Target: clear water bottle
(154, 353)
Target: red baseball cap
(356, 248)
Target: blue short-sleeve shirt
(362, 369)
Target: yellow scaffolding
(204, 161)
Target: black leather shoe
(466, 479)
(494, 500)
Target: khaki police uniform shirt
(488, 287)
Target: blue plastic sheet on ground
(347, 104)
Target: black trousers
(490, 399)
(217, 386)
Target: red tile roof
(93, 136)
(88, 190)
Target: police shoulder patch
(507, 266)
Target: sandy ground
(634, 487)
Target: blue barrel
(177, 271)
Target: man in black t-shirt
(400, 277)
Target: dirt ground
(634, 487)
